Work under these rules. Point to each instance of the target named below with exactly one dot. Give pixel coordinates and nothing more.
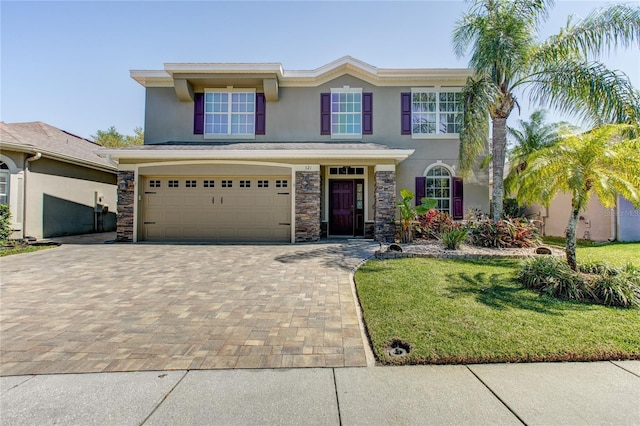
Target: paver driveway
(122, 307)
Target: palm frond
(478, 96)
(501, 35)
(600, 161)
(587, 90)
(603, 30)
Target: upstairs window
(428, 112)
(346, 113)
(229, 113)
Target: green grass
(23, 249)
(615, 253)
(461, 311)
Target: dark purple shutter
(367, 113)
(405, 118)
(198, 113)
(261, 107)
(456, 183)
(421, 186)
(325, 113)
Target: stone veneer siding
(124, 223)
(307, 206)
(384, 210)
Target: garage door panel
(205, 213)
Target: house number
(308, 167)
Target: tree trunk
(499, 143)
(571, 236)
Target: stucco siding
(596, 222)
(295, 117)
(60, 192)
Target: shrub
(5, 223)
(511, 208)
(433, 224)
(453, 237)
(594, 282)
(505, 233)
(614, 286)
(553, 277)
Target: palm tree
(529, 137)
(603, 161)
(507, 56)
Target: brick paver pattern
(124, 307)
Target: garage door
(216, 208)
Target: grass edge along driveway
(465, 311)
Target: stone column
(126, 200)
(384, 209)
(307, 205)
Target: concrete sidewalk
(541, 393)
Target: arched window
(4, 183)
(438, 187)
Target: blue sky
(67, 63)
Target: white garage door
(214, 208)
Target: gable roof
(53, 143)
(290, 78)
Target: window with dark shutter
(261, 106)
(198, 114)
(325, 113)
(367, 113)
(405, 117)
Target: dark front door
(346, 207)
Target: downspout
(36, 156)
(614, 222)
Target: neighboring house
(597, 222)
(54, 182)
(253, 152)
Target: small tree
(408, 212)
(603, 161)
(5, 223)
(111, 138)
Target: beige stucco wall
(65, 181)
(596, 222)
(296, 118)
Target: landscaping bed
(473, 311)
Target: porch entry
(346, 207)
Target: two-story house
(254, 152)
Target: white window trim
(451, 171)
(437, 90)
(344, 136)
(7, 181)
(230, 90)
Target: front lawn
(615, 253)
(19, 249)
(462, 311)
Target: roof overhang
(395, 155)
(187, 77)
(30, 149)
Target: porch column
(307, 204)
(126, 200)
(384, 209)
